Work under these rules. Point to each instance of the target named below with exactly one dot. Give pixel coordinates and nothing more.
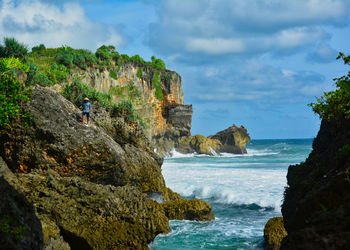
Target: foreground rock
(19, 226)
(316, 208)
(274, 232)
(233, 139)
(91, 187)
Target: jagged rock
(199, 144)
(58, 141)
(89, 186)
(94, 216)
(316, 207)
(233, 139)
(19, 226)
(274, 232)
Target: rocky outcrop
(19, 226)
(199, 144)
(274, 232)
(233, 139)
(316, 207)
(96, 187)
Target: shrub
(113, 74)
(39, 48)
(156, 62)
(33, 69)
(12, 92)
(42, 79)
(57, 73)
(157, 86)
(335, 104)
(139, 73)
(13, 48)
(137, 59)
(126, 109)
(76, 91)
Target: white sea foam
(241, 186)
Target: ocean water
(244, 191)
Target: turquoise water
(244, 191)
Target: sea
(245, 191)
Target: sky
(256, 63)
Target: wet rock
(274, 232)
(233, 139)
(199, 144)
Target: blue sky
(256, 63)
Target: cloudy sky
(252, 62)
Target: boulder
(274, 232)
(233, 139)
(93, 216)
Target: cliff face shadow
(19, 226)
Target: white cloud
(228, 27)
(35, 22)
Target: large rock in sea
(91, 187)
(199, 144)
(316, 207)
(233, 139)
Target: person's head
(86, 99)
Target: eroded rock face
(233, 139)
(93, 215)
(316, 208)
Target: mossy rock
(274, 232)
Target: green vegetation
(127, 91)
(12, 92)
(126, 109)
(77, 91)
(157, 86)
(335, 104)
(113, 74)
(41, 47)
(10, 225)
(139, 73)
(12, 48)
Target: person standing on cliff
(86, 107)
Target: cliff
(157, 95)
(96, 187)
(316, 207)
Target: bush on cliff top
(12, 93)
(12, 48)
(335, 104)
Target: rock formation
(233, 139)
(92, 187)
(165, 113)
(274, 232)
(316, 208)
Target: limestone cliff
(157, 94)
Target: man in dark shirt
(86, 106)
